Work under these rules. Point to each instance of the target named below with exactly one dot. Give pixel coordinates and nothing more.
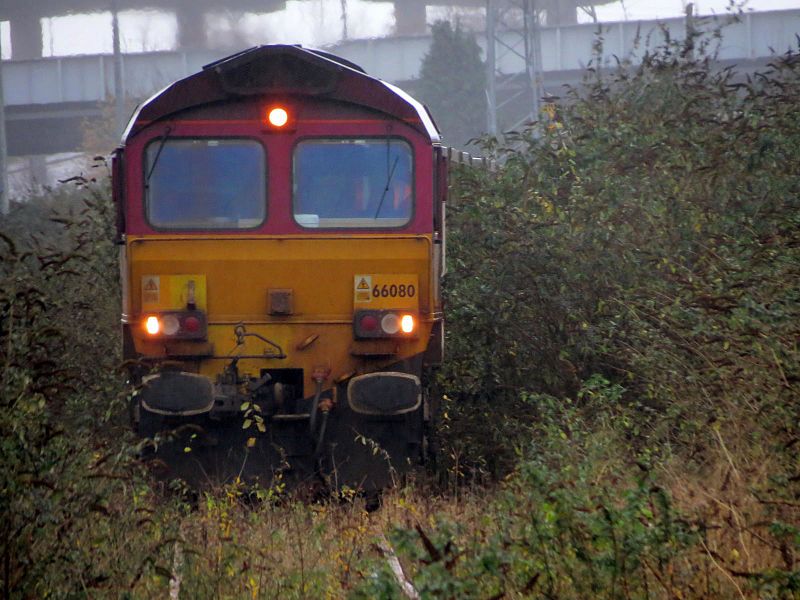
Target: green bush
(649, 237)
(58, 391)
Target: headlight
(370, 324)
(176, 324)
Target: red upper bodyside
(325, 98)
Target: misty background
(314, 22)
(34, 34)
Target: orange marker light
(152, 326)
(407, 323)
(278, 117)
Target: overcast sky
(310, 22)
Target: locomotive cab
(282, 226)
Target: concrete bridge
(567, 49)
(47, 99)
(25, 17)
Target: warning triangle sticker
(363, 285)
(151, 285)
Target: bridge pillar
(191, 27)
(409, 17)
(26, 36)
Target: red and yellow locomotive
(282, 242)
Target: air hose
(312, 422)
(325, 412)
(317, 407)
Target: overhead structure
(25, 17)
(410, 15)
(520, 18)
(514, 26)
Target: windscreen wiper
(158, 153)
(386, 189)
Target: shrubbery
(59, 392)
(649, 240)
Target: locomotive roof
(283, 70)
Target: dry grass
(731, 505)
(287, 548)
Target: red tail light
(192, 324)
(368, 323)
